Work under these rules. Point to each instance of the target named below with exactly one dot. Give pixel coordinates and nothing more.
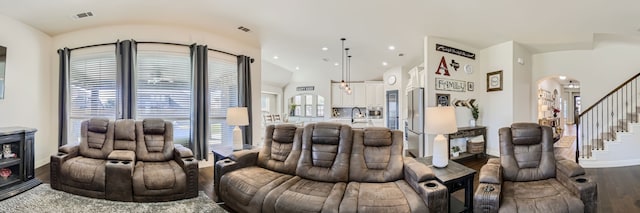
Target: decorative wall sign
(306, 88)
(443, 48)
(451, 85)
(442, 99)
(470, 86)
(443, 66)
(454, 64)
(494, 81)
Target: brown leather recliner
(121, 161)
(80, 169)
(244, 182)
(336, 171)
(162, 172)
(527, 177)
(381, 180)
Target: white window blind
(92, 87)
(223, 93)
(163, 87)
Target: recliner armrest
(65, 153)
(415, 171)
(572, 176)
(181, 151)
(491, 172)
(237, 160)
(122, 155)
(487, 197)
(422, 179)
(69, 149)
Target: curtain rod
(150, 42)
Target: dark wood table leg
(468, 194)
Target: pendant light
(349, 71)
(346, 87)
(343, 84)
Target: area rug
(44, 199)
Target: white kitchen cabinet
(375, 94)
(359, 95)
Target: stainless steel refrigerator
(415, 123)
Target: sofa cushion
(98, 125)
(281, 150)
(304, 195)
(158, 178)
(376, 162)
(152, 145)
(326, 148)
(395, 196)
(125, 135)
(241, 189)
(542, 196)
(99, 143)
(534, 161)
(526, 133)
(153, 126)
(84, 173)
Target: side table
(222, 151)
(455, 177)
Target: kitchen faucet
(352, 114)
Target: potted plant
(475, 112)
(456, 151)
(292, 110)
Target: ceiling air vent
(82, 15)
(244, 29)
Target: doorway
(393, 113)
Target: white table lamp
(237, 116)
(441, 120)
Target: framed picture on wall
(470, 86)
(442, 99)
(494, 81)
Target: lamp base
(237, 139)
(440, 152)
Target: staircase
(609, 131)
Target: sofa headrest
(526, 133)
(98, 125)
(153, 126)
(125, 129)
(377, 136)
(326, 133)
(284, 133)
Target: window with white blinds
(163, 87)
(92, 87)
(223, 93)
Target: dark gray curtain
(200, 108)
(65, 56)
(244, 93)
(126, 62)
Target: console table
(464, 132)
(19, 142)
(455, 177)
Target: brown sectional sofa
(328, 167)
(126, 160)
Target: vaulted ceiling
(296, 31)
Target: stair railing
(611, 114)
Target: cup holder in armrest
(430, 185)
(489, 188)
(126, 162)
(189, 159)
(114, 161)
(61, 154)
(226, 161)
(581, 180)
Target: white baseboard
(586, 163)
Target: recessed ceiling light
(275, 57)
(562, 77)
(336, 64)
(392, 47)
(297, 68)
(384, 63)
(325, 48)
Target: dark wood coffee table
(455, 177)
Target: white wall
(161, 33)
(497, 110)
(402, 77)
(612, 61)
(432, 62)
(523, 100)
(278, 91)
(28, 99)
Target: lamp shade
(237, 116)
(441, 120)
